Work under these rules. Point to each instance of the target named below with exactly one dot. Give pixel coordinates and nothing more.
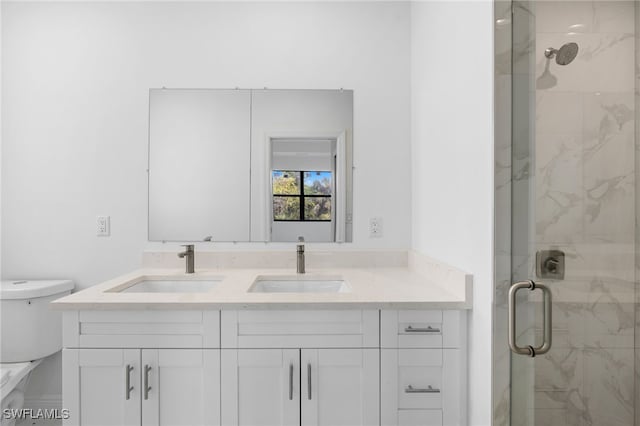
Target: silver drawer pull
(309, 381)
(429, 329)
(291, 382)
(429, 389)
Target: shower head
(565, 55)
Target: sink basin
(299, 284)
(172, 286)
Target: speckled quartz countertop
(422, 285)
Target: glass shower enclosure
(566, 231)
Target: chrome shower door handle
(127, 381)
(147, 388)
(547, 318)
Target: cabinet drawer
(419, 379)
(421, 329)
(300, 329)
(141, 329)
(428, 382)
(419, 418)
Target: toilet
(29, 331)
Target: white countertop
(371, 288)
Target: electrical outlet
(375, 227)
(103, 228)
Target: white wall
(77, 78)
(452, 160)
(75, 109)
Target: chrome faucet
(300, 250)
(189, 254)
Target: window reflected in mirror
(310, 201)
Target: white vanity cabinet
(315, 368)
(423, 368)
(123, 387)
(312, 387)
(265, 367)
(115, 374)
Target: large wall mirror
(250, 165)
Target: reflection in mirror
(303, 193)
(199, 165)
(250, 165)
(304, 176)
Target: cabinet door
(95, 386)
(261, 387)
(180, 387)
(340, 387)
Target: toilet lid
(13, 373)
(29, 289)
(5, 374)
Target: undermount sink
(299, 284)
(172, 286)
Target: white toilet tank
(30, 329)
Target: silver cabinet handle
(428, 389)
(546, 334)
(429, 329)
(127, 381)
(147, 388)
(291, 382)
(309, 381)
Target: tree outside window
(301, 196)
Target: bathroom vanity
(221, 347)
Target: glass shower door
(573, 213)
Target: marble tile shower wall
(585, 198)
